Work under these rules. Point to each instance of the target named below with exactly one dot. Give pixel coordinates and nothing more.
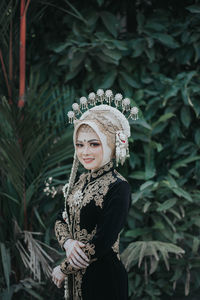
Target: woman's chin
(87, 167)
(90, 166)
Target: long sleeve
(61, 230)
(114, 213)
(62, 234)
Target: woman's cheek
(96, 151)
(78, 152)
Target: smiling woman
(96, 207)
(89, 148)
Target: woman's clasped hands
(76, 258)
(75, 254)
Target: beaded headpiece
(108, 104)
(101, 97)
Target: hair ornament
(118, 107)
(100, 94)
(101, 97)
(134, 113)
(126, 105)
(118, 99)
(76, 108)
(71, 116)
(92, 99)
(121, 150)
(83, 103)
(109, 96)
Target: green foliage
(138, 250)
(149, 51)
(34, 145)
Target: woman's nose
(86, 150)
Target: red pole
(22, 54)
(22, 81)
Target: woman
(96, 206)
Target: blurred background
(52, 53)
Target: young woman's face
(89, 150)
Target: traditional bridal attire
(95, 212)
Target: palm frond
(34, 257)
(137, 251)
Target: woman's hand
(75, 254)
(58, 276)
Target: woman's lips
(88, 160)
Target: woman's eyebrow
(93, 140)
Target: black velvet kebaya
(97, 207)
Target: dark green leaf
(129, 79)
(185, 116)
(163, 118)
(197, 136)
(5, 256)
(194, 9)
(150, 54)
(146, 184)
(184, 162)
(181, 193)
(61, 47)
(166, 39)
(108, 79)
(114, 54)
(149, 162)
(110, 22)
(167, 204)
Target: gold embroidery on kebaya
(83, 236)
(91, 191)
(120, 176)
(61, 231)
(66, 268)
(77, 282)
(95, 190)
(99, 172)
(90, 249)
(115, 247)
(98, 190)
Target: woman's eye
(94, 144)
(79, 145)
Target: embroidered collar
(101, 171)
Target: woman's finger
(72, 264)
(76, 262)
(82, 254)
(81, 244)
(80, 260)
(57, 282)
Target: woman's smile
(88, 160)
